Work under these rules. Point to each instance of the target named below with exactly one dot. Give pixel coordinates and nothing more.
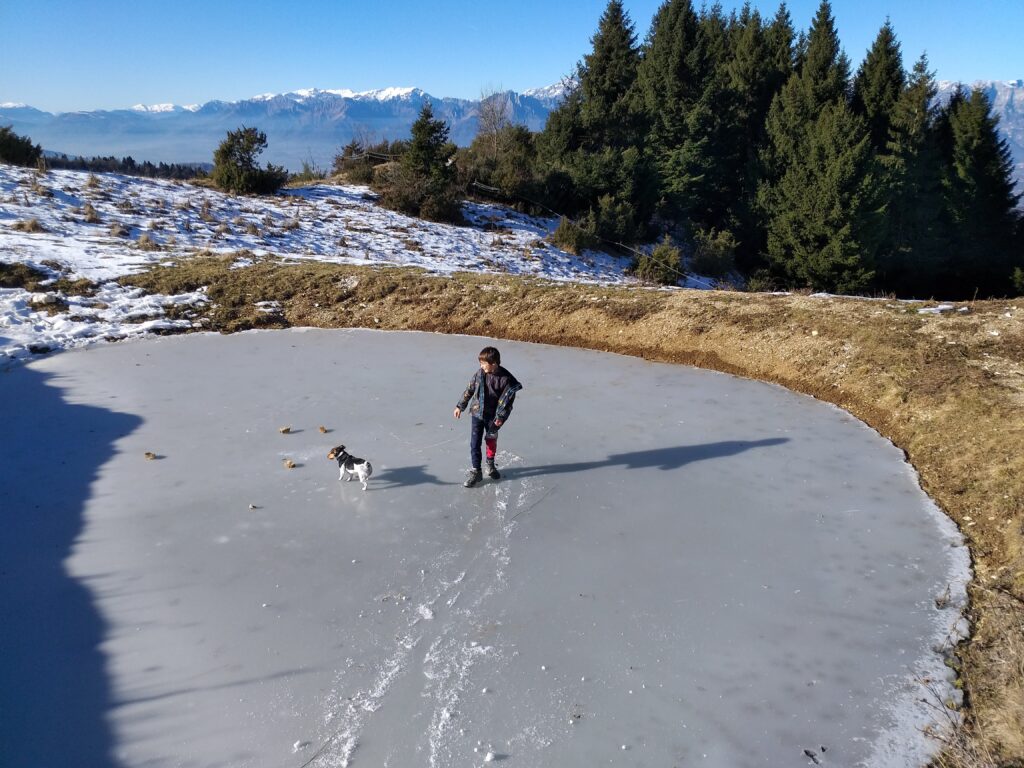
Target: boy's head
(490, 359)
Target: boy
(492, 391)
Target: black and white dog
(350, 466)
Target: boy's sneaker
(473, 478)
(492, 472)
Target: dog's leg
(363, 474)
(341, 474)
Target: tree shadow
(55, 695)
(659, 458)
(395, 477)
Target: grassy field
(948, 389)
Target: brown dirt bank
(948, 389)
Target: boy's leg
(475, 435)
(475, 439)
(491, 441)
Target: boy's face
(488, 367)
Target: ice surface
(688, 565)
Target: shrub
(613, 220)
(30, 226)
(714, 253)
(235, 168)
(18, 150)
(662, 265)
(571, 237)
(761, 280)
(1018, 281)
(359, 159)
(310, 172)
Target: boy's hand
(458, 412)
(498, 423)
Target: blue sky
(65, 55)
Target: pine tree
(606, 79)
(235, 168)
(668, 76)
(425, 183)
(980, 198)
(824, 230)
(593, 141)
(18, 150)
(809, 118)
(429, 149)
(912, 259)
(779, 40)
(753, 80)
(878, 85)
(820, 80)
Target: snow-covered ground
(339, 224)
(678, 567)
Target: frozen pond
(679, 567)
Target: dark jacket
(508, 385)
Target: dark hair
(490, 355)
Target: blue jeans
(476, 436)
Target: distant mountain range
(312, 125)
(304, 125)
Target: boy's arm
(504, 408)
(470, 390)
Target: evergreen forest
(759, 150)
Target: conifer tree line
(737, 131)
(128, 166)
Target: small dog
(350, 466)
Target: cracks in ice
(453, 581)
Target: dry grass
(37, 280)
(89, 214)
(147, 243)
(946, 389)
(31, 226)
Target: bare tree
(495, 114)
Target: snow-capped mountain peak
(303, 95)
(155, 108)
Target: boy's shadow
(395, 477)
(662, 458)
